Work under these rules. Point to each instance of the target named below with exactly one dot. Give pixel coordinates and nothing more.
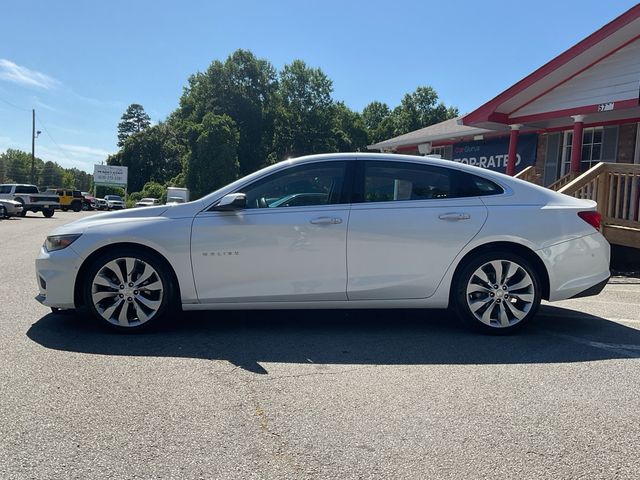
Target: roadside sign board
(110, 175)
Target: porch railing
(616, 189)
(529, 174)
(562, 181)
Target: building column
(513, 150)
(576, 144)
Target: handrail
(528, 174)
(562, 181)
(572, 186)
(616, 189)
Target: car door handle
(454, 216)
(326, 221)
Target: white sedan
(11, 207)
(374, 231)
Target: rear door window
(403, 181)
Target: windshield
(113, 197)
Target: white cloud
(25, 76)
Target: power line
(41, 124)
(13, 105)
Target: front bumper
(56, 274)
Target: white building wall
(615, 78)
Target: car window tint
(305, 185)
(395, 181)
(26, 189)
(485, 187)
(5, 189)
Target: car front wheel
(497, 292)
(129, 290)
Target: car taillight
(591, 217)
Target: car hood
(79, 226)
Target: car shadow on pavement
(355, 337)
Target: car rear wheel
(497, 293)
(76, 207)
(130, 290)
(48, 212)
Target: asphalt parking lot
(319, 394)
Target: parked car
(30, 198)
(69, 199)
(148, 202)
(11, 208)
(88, 201)
(101, 204)
(114, 202)
(389, 231)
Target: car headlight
(58, 242)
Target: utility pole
(33, 146)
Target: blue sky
(80, 63)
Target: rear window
(26, 189)
(474, 186)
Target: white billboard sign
(110, 175)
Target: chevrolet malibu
(373, 231)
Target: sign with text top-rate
(110, 175)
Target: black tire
(64, 209)
(76, 206)
(496, 311)
(3, 212)
(24, 209)
(48, 212)
(129, 297)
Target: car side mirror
(232, 201)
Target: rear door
(407, 224)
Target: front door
(289, 244)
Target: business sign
(493, 153)
(110, 175)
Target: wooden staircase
(616, 189)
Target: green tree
(51, 175)
(349, 131)
(304, 119)
(68, 179)
(133, 120)
(378, 121)
(17, 165)
(421, 109)
(242, 87)
(213, 160)
(153, 154)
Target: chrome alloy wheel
(127, 292)
(500, 293)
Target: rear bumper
(595, 290)
(577, 267)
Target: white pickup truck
(30, 198)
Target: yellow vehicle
(69, 199)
